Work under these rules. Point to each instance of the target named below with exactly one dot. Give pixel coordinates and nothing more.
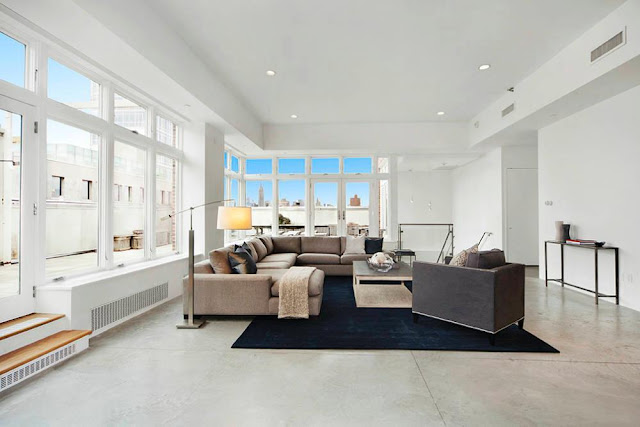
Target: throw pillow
(260, 248)
(220, 261)
(373, 245)
(268, 243)
(248, 248)
(241, 262)
(355, 245)
(460, 260)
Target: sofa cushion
(288, 258)
(373, 244)
(283, 244)
(343, 244)
(268, 243)
(318, 259)
(316, 281)
(347, 259)
(320, 245)
(241, 262)
(220, 261)
(486, 259)
(260, 248)
(273, 265)
(460, 259)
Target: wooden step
(25, 323)
(31, 352)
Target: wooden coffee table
(373, 289)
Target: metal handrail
(444, 245)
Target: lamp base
(196, 324)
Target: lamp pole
(190, 323)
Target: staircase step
(38, 349)
(25, 323)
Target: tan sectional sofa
(256, 294)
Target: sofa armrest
(203, 267)
(509, 294)
(230, 293)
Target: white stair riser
(30, 369)
(28, 337)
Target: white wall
(477, 201)
(588, 167)
(431, 195)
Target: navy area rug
(341, 325)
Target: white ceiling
(376, 60)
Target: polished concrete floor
(146, 372)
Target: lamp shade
(234, 218)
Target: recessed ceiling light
(271, 73)
(293, 116)
(440, 113)
(484, 67)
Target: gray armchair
(488, 299)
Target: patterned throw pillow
(248, 248)
(460, 260)
(242, 262)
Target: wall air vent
(509, 109)
(608, 46)
(113, 311)
(23, 372)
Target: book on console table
(581, 242)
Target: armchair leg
(521, 323)
(492, 339)
(416, 316)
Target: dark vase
(566, 228)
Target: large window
(259, 197)
(130, 115)
(166, 180)
(73, 89)
(129, 211)
(72, 214)
(13, 60)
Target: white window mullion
(106, 166)
(150, 205)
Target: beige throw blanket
(294, 293)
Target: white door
(357, 207)
(18, 194)
(341, 207)
(522, 216)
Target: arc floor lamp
(229, 218)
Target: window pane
(14, 56)
(226, 187)
(72, 202)
(130, 115)
(73, 89)
(10, 149)
(128, 211)
(357, 165)
(226, 160)
(357, 212)
(383, 219)
(383, 165)
(260, 200)
(233, 235)
(325, 208)
(258, 166)
(292, 210)
(321, 165)
(166, 173)
(291, 166)
(235, 164)
(166, 131)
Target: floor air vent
(20, 374)
(106, 314)
(508, 110)
(606, 47)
